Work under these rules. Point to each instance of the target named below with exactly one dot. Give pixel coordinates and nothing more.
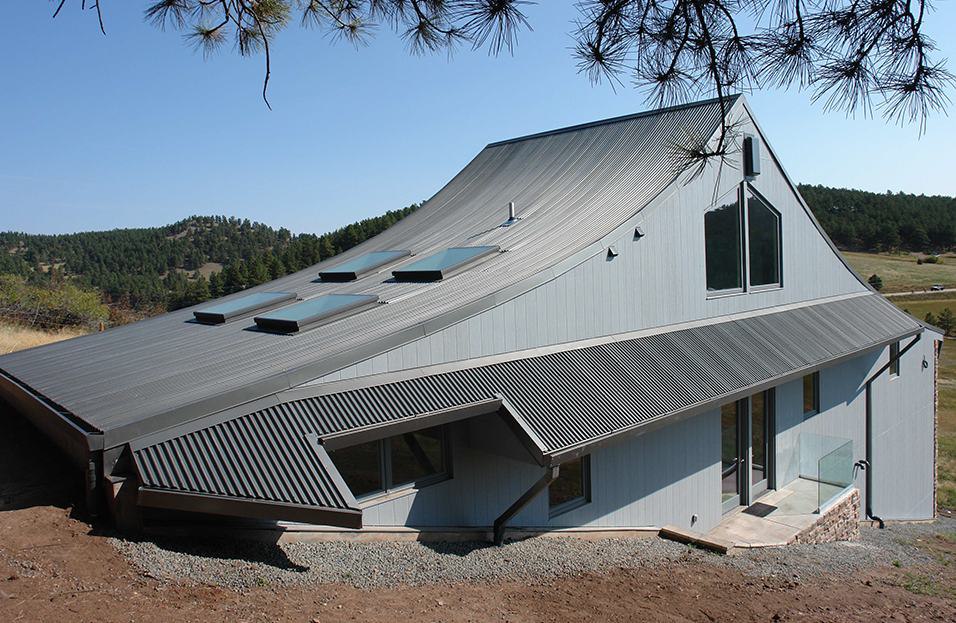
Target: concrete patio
(790, 511)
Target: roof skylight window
(322, 308)
(221, 312)
(439, 265)
(358, 266)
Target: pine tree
(946, 320)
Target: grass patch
(901, 273)
(922, 584)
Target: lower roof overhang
(562, 402)
(248, 508)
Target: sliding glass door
(746, 449)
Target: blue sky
(136, 129)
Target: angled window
(572, 487)
(361, 468)
(723, 245)
(241, 306)
(895, 359)
(407, 461)
(356, 267)
(811, 394)
(763, 232)
(439, 265)
(322, 308)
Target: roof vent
(511, 211)
(638, 232)
(612, 252)
(751, 157)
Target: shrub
(49, 306)
(876, 282)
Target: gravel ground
(241, 565)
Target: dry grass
(16, 337)
(901, 273)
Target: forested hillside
(150, 270)
(863, 221)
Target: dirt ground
(56, 567)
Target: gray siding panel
(663, 477)
(904, 428)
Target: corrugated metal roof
(568, 397)
(571, 187)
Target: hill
(857, 220)
(150, 270)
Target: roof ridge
(730, 99)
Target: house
(572, 333)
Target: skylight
(221, 312)
(441, 264)
(354, 268)
(299, 316)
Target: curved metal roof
(571, 186)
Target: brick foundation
(841, 522)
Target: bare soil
(54, 566)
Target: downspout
(540, 485)
(867, 464)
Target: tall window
(724, 247)
(763, 229)
(572, 487)
(811, 394)
(895, 359)
(416, 458)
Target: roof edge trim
(729, 101)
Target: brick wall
(839, 523)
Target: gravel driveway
(245, 564)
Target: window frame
(741, 213)
(894, 369)
(578, 502)
(390, 489)
(816, 394)
(743, 207)
(779, 283)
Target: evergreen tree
(876, 282)
(946, 320)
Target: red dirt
(54, 567)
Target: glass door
(730, 461)
(760, 454)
